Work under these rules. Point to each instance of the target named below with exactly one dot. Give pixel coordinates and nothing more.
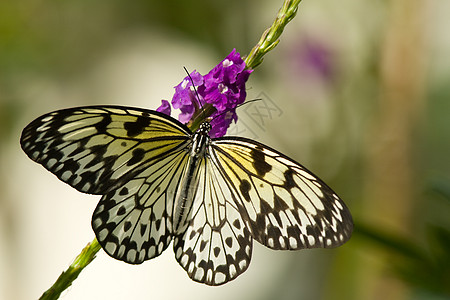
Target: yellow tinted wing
(97, 149)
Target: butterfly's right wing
(134, 157)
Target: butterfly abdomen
(185, 195)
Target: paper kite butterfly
(160, 182)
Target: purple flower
(316, 59)
(165, 107)
(220, 124)
(223, 87)
(185, 98)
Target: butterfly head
(205, 127)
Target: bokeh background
(358, 91)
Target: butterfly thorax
(200, 140)
(185, 194)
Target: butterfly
(160, 182)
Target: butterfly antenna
(196, 93)
(239, 105)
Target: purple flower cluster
(223, 88)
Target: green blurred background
(360, 92)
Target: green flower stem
(268, 41)
(67, 277)
(270, 37)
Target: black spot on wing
(121, 211)
(245, 187)
(203, 245)
(216, 251)
(123, 191)
(237, 224)
(127, 225)
(143, 229)
(103, 124)
(289, 179)
(137, 156)
(158, 224)
(137, 127)
(259, 162)
(229, 242)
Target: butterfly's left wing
(96, 149)
(284, 205)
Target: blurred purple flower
(316, 59)
(223, 87)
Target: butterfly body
(184, 199)
(160, 182)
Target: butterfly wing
(133, 223)
(97, 149)
(283, 204)
(134, 157)
(216, 246)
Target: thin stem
(270, 37)
(67, 277)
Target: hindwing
(133, 223)
(216, 246)
(133, 157)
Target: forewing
(98, 149)
(134, 222)
(284, 205)
(216, 245)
